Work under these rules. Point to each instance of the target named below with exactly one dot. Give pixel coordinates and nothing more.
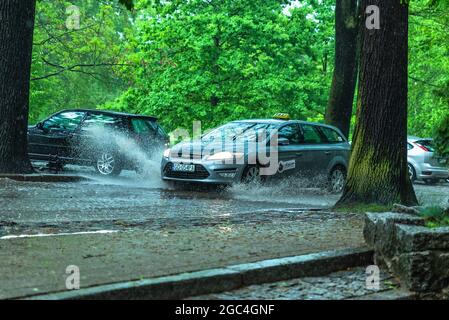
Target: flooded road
(130, 201)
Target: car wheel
(252, 175)
(108, 164)
(337, 179)
(411, 172)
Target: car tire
(108, 164)
(411, 172)
(251, 174)
(336, 180)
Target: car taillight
(423, 148)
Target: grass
(362, 208)
(435, 216)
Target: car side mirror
(283, 142)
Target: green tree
(76, 68)
(16, 40)
(217, 61)
(341, 98)
(16, 44)
(378, 164)
(428, 66)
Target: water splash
(293, 190)
(146, 159)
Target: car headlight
(224, 156)
(167, 153)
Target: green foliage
(442, 137)
(216, 60)
(129, 4)
(76, 68)
(428, 66)
(435, 216)
(222, 60)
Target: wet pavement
(130, 201)
(165, 231)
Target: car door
(53, 136)
(100, 131)
(316, 153)
(145, 133)
(290, 154)
(336, 148)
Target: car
(260, 150)
(109, 141)
(422, 163)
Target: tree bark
(378, 165)
(341, 97)
(16, 39)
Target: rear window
(331, 135)
(428, 144)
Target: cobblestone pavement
(341, 285)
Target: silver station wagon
(260, 150)
(423, 164)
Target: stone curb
(222, 279)
(43, 177)
(417, 255)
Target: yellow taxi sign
(282, 116)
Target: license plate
(180, 167)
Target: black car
(109, 141)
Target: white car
(423, 165)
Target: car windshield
(240, 131)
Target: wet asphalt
(132, 201)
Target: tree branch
(75, 68)
(425, 82)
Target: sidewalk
(31, 266)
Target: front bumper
(207, 172)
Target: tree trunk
(378, 165)
(341, 98)
(16, 39)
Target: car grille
(200, 172)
